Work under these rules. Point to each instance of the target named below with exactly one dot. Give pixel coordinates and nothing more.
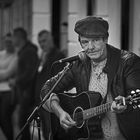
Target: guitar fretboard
(87, 114)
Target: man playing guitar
(106, 70)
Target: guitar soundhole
(78, 117)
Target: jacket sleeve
(132, 74)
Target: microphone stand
(34, 114)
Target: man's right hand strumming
(65, 120)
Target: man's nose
(91, 45)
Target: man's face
(95, 48)
(44, 42)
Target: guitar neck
(89, 113)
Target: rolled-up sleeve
(47, 105)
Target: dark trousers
(6, 110)
(25, 109)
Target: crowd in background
(22, 75)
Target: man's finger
(71, 120)
(121, 107)
(118, 107)
(118, 97)
(65, 126)
(67, 122)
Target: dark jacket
(120, 82)
(47, 71)
(27, 66)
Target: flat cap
(92, 27)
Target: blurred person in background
(8, 66)
(26, 69)
(50, 54)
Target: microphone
(80, 56)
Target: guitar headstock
(134, 98)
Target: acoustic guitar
(82, 110)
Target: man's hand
(117, 105)
(66, 121)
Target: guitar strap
(111, 68)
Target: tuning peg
(133, 92)
(137, 90)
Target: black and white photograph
(69, 69)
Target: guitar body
(74, 105)
(85, 109)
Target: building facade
(59, 17)
(123, 17)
